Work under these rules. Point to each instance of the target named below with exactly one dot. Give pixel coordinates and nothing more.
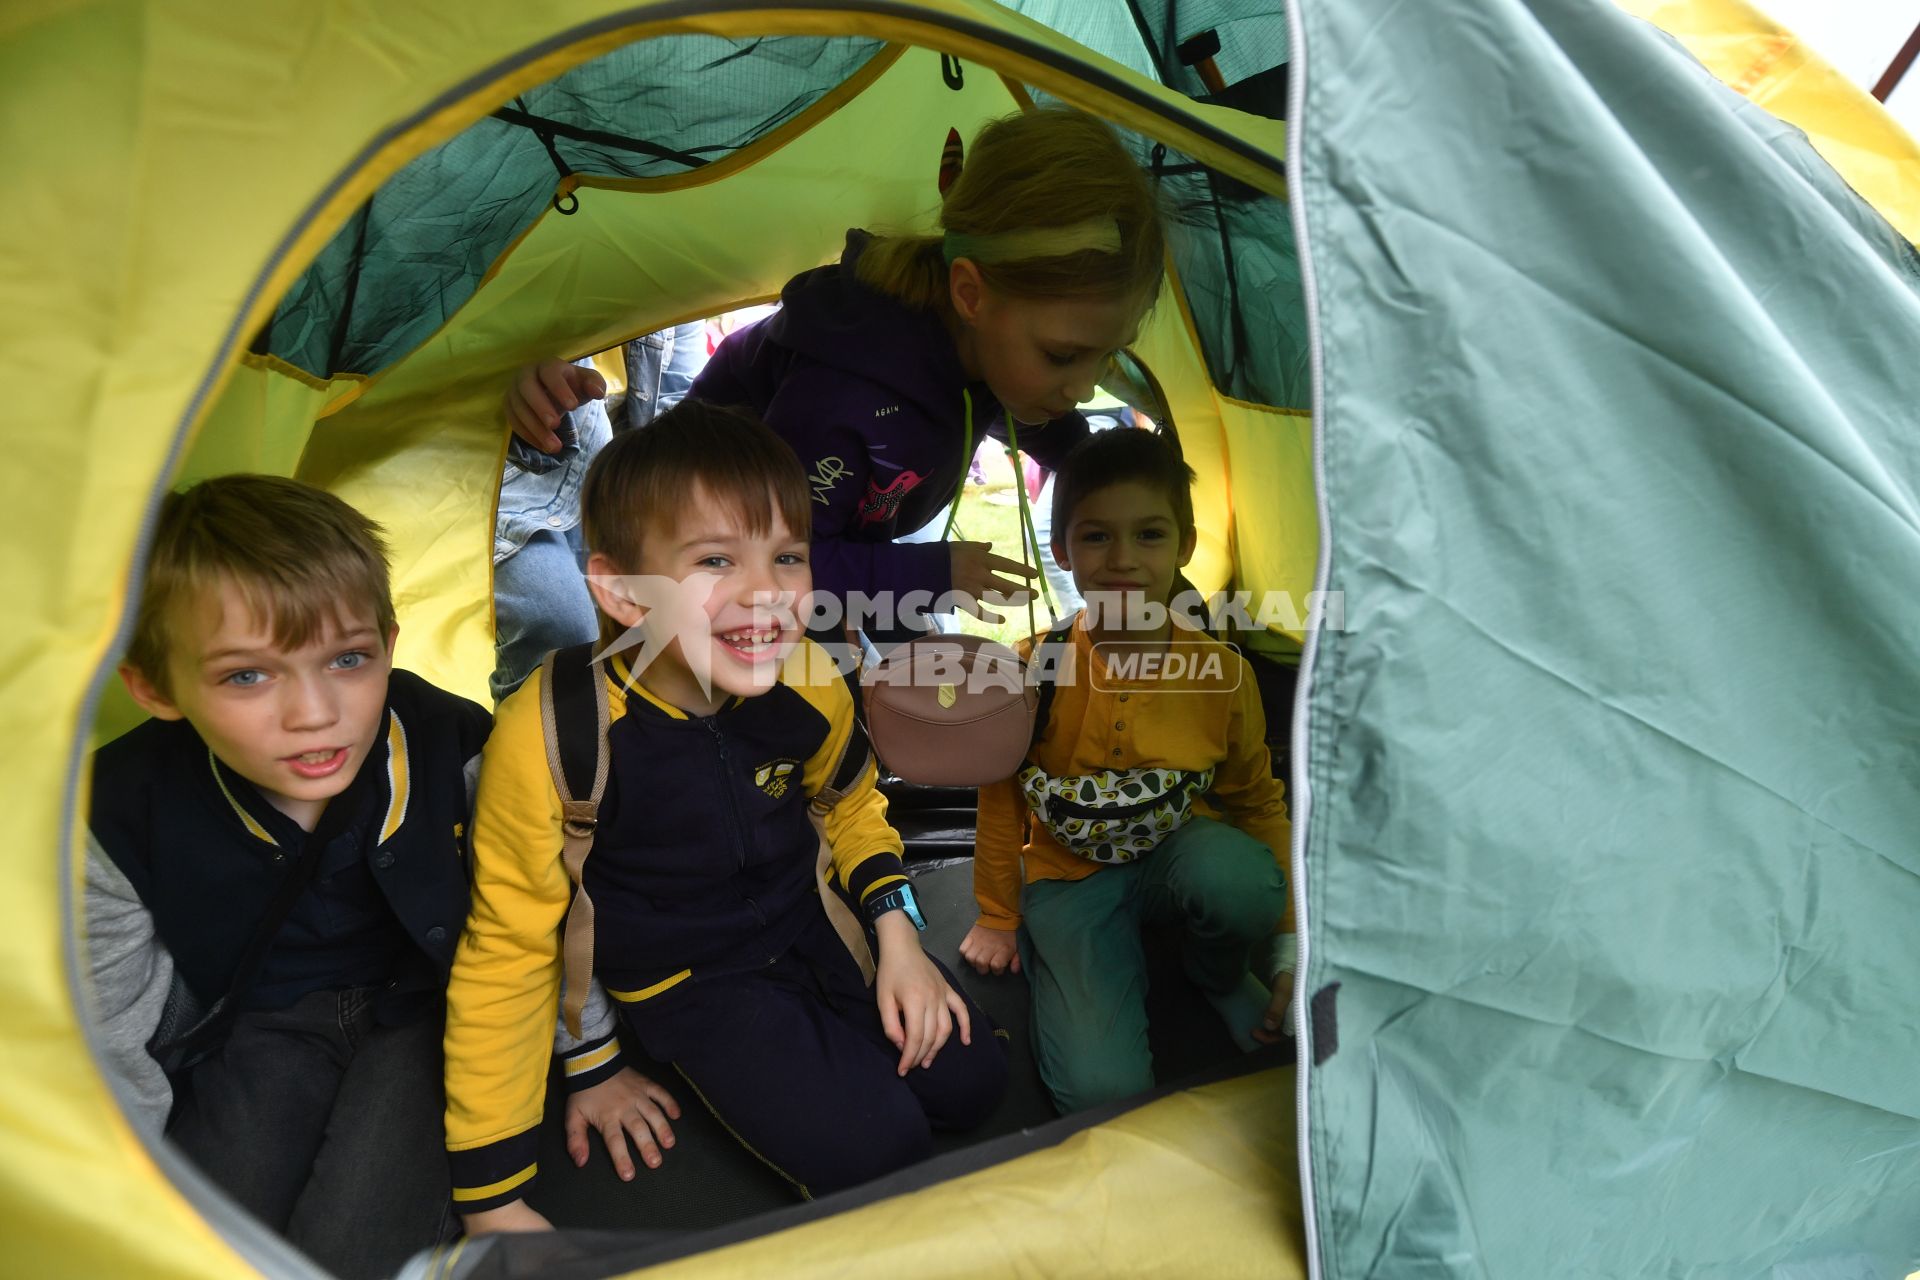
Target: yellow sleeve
(999, 834)
(866, 848)
(503, 995)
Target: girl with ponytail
(880, 369)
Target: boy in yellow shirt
(1107, 814)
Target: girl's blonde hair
(1034, 171)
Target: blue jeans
(540, 602)
(660, 370)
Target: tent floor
(709, 1180)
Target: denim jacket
(542, 490)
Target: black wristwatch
(899, 897)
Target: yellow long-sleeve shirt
(1103, 718)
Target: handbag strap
(574, 716)
(1029, 536)
(1041, 665)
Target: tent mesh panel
(417, 250)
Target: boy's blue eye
(351, 660)
(243, 679)
(714, 562)
(1060, 361)
(791, 557)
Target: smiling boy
(708, 929)
(1106, 826)
(275, 877)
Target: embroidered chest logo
(880, 505)
(773, 776)
(826, 473)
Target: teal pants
(1085, 962)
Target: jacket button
(436, 934)
(383, 859)
(1116, 753)
(1119, 724)
(556, 521)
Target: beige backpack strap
(570, 682)
(848, 769)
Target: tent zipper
(1301, 792)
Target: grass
(990, 513)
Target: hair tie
(1095, 235)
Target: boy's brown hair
(1115, 457)
(646, 477)
(301, 558)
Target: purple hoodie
(868, 394)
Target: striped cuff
(591, 1063)
(868, 876)
(496, 1174)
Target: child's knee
(889, 1136)
(1081, 1080)
(1236, 887)
(967, 1081)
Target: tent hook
(952, 72)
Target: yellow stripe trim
(647, 993)
(625, 679)
(252, 823)
(398, 771)
(496, 1188)
(599, 1057)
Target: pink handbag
(954, 710)
(950, 710)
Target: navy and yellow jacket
(206, 853)
(702, 865)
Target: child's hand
(990, 950)
(917, 1007)
(517, 1216)
(1279, 1021)
(626, 1103)
(542, 393)
(977, 571)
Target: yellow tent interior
(176, 167)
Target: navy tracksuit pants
(793, 1060)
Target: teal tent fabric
(1611, 784)
(420, 246)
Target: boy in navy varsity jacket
(708, 930)
(275, 876)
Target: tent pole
(1898, 67)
